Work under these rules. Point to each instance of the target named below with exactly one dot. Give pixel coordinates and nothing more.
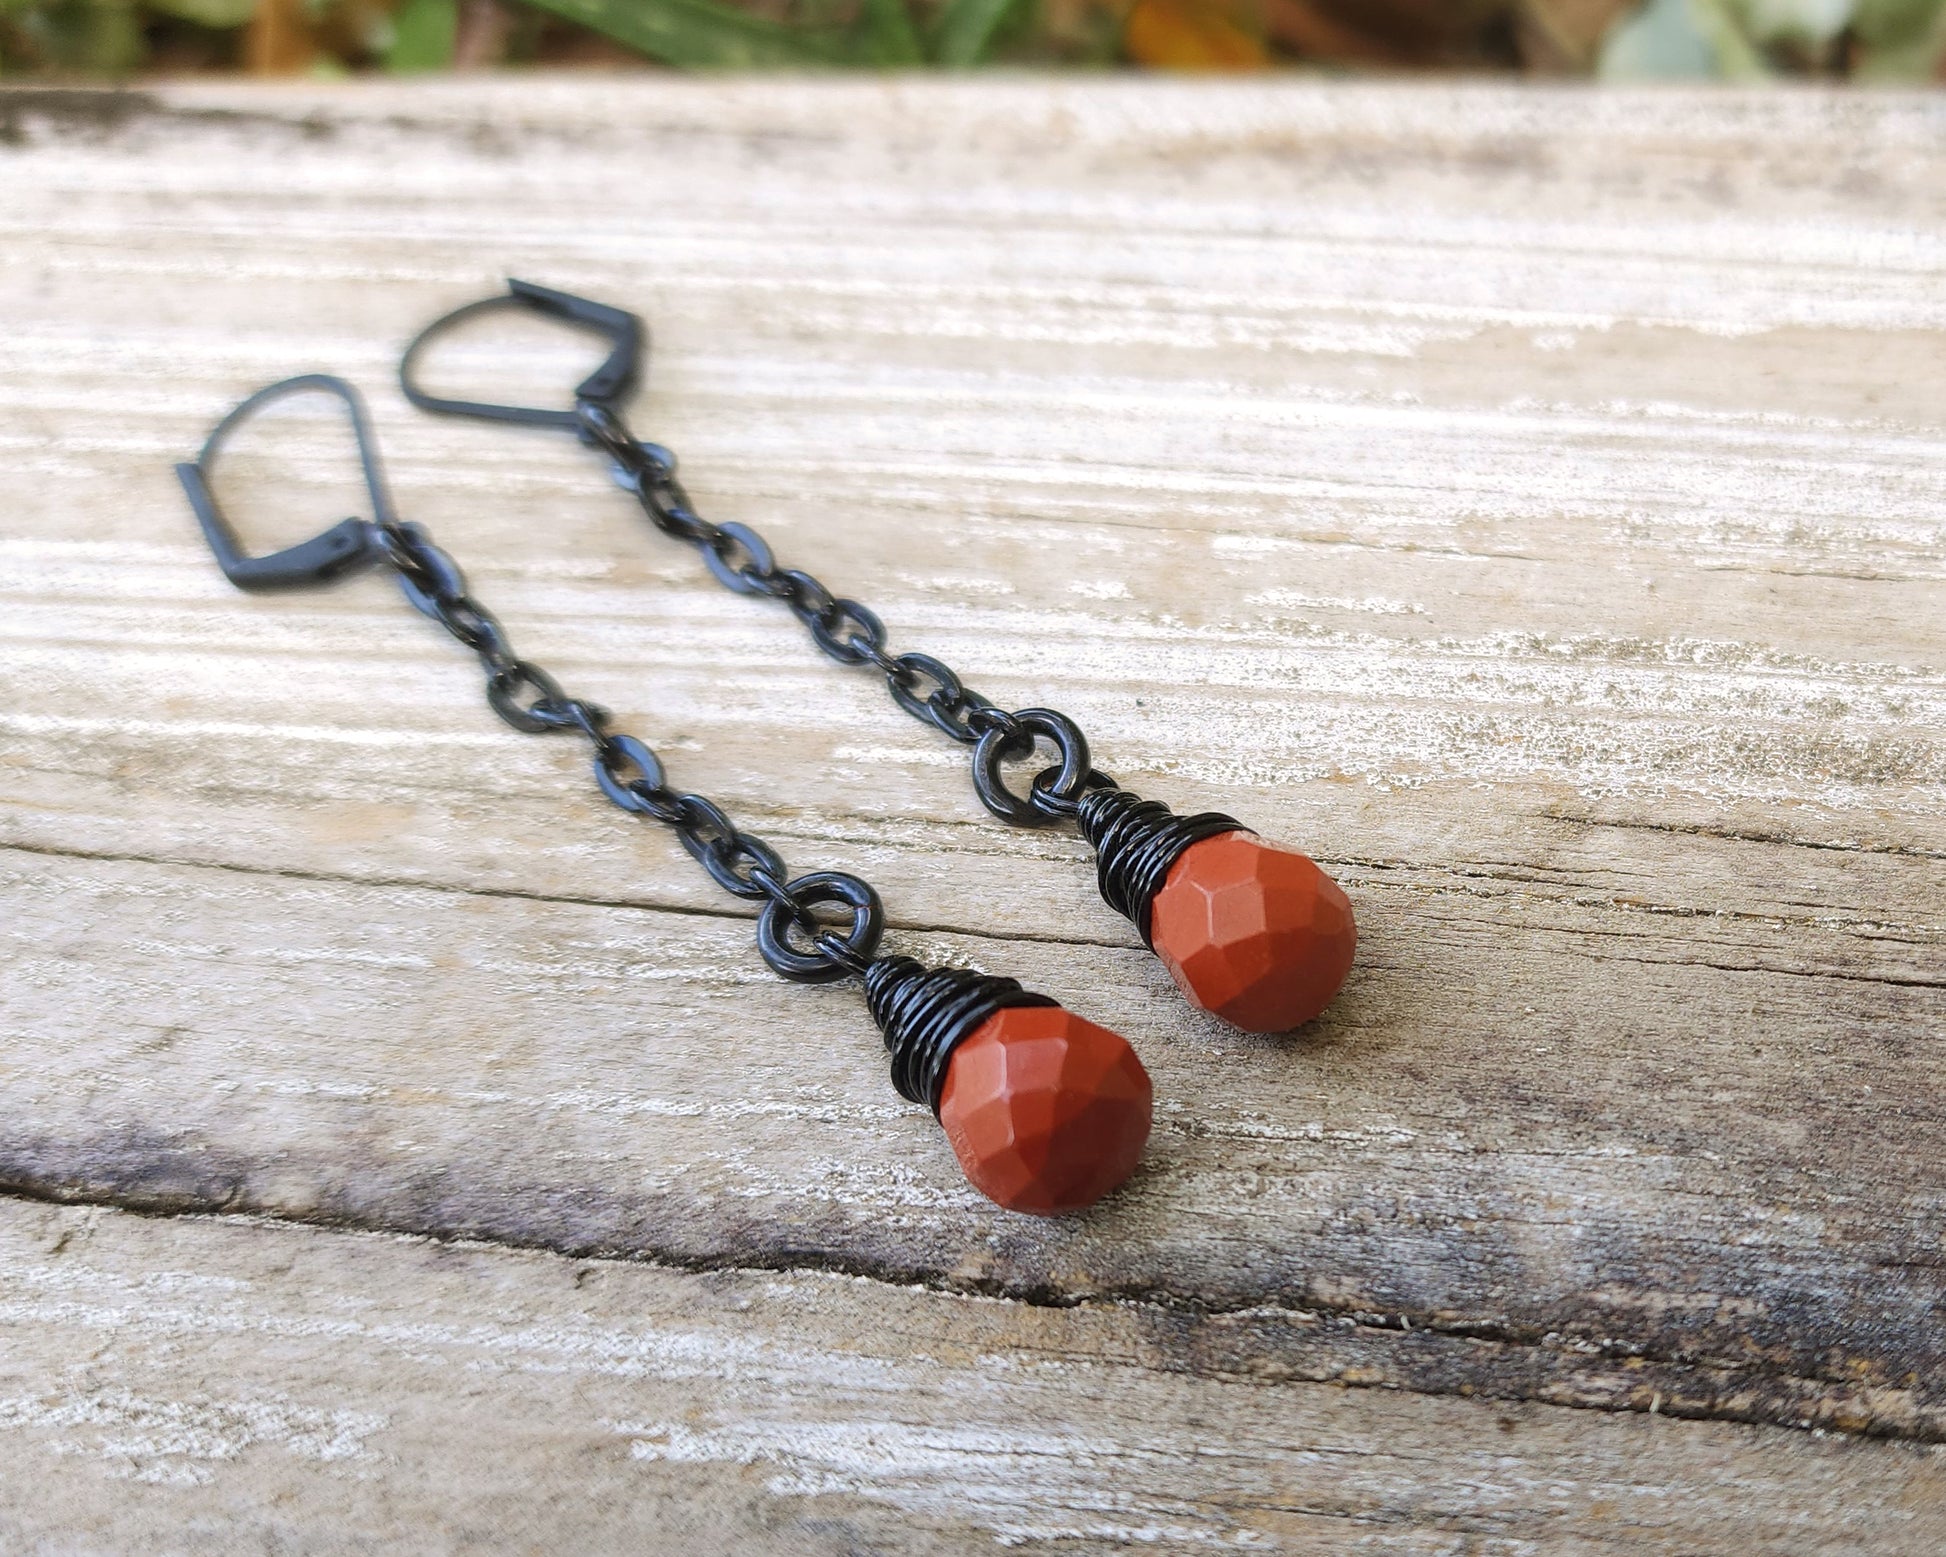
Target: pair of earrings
(1046, 1111)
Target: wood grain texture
(227, 1385)
(1530, 504)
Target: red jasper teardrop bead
(1046, 1112)
(1258, 936)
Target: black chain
(852, 634)
(631, 775)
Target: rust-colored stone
(1259, 936)
(1046, 1112)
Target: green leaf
(423, 32)
(699, 34)
(1904, 40)
(888, 35)
(1737, 58)
(207, 13)
(966, 30)
(1815, 22)
(1897, 21)
(100, 36)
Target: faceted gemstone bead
(1046, 1112)
(1259, 936)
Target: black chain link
(852, 634)
(631, 776)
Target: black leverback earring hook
(613, 381)
(348, 545)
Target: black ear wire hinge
(347, 546)
(609, 384)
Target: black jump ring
(479, 630)
(676, 517)
(956, 719)
(574, 713)
(821, 966)
(989, 718)
(778, 890)
(503, 685)
(840, 951)
(620, 749)
(945, 707)
(945, 683)
(638, 461)
(427, 575)
(809, 599)
(862, 631)
(1012, 736)
(1042, 795)
(703, 823)
(647, 462)
(750, 578)
(600, 426)
(720, 855)
(778, 586)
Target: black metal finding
(741, 560)
(924, 1013)
(626, 337)
(1138, 843)
(347, 546)
(526, 697)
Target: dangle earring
(1045, 1111)
(1257, 935)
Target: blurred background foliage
(1736, 40)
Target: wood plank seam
(272, 1386)
(1387, 1352)
(733, 912)
(1747, 835)
(1738, 1391)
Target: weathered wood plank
(600, 1079)
(1533, 505)
(252, 1387)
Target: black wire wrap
(926, 1012)
(1136, 842)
